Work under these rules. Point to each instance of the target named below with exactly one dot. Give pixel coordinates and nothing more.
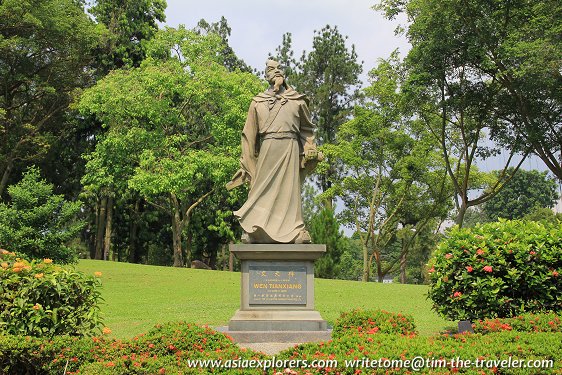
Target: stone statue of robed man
(278, 151)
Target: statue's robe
(276, 135)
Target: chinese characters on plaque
(272, 284)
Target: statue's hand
(311, 154)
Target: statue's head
(274, 75)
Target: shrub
(500, 346)
(500, 269)
(371, 322)
(165, 349)
(39, 298)
(548, 322)
(37, 224)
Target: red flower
(533, 252)
(431, 270)
(554, 273)
(457, 294)
(469, 268)
(488, 268)
(480, 252)
(448, 255)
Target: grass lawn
(137, 297)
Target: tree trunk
(230, 261)
(176, 236)
(365, 277)
(403, 268)
(133, 231)
(108, 229)
(102, 216)
(380, 274)
(462, 211)
(6, 176)
(188, 248)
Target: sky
(258, 26)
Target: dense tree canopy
(524, 193)
(45, 50)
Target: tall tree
(512, 48)
(527, 191)
(222, 29)
(130, 23)
(190, 109)
(394, 178)
(45, 48)
(329, 75)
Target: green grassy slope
(138, 297)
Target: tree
(222, 29)
(512, 48)
(189, 109)
(37, 224)
(527, 191)
(325, 229)
(329, 75)
(45, 49)
(393, 179)
(130, 23)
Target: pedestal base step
(277, 320)
(295, 337)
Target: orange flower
(5, 265)
(4, 251)
(27, 268)
(19, 265)
(97, 274)
(17, 269)
(47, 260)
(37, 307)
(38, 275)
(106, 331)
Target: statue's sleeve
(306, 128)
(249, 158)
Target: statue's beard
(277, 82)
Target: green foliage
(526, 191)
(174, 127)
(41, 299)
(324, 229)
(391, 347)
(369, 322)
(499, 269)
(45, 50)
(544, 215)
(505, 55)
(163, 350)
(130, 24)
(38, 224)
(394, 175)
(546, 322)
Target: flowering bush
(39, 298)
(371, 322)
(499, 269)
(548, 322)
(360, 351)
(163, 350)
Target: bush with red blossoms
(546, 322)
(368, 322)
(497, 270)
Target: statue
(278, 151)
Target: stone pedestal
(277, 294)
